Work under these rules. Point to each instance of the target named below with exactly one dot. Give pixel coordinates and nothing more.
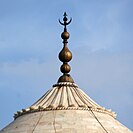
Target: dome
(65, 108)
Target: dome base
(65, 121)
(65, 78)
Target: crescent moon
(66, 23)
(69, 21)
(61, 22)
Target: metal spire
(65, 55)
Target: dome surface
(65, 109)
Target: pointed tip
(65, 14)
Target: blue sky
(101, 42)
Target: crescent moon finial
(65, 23)
(65, 54)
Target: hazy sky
(101, 42)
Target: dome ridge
(64, 96)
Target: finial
(65, 55)
(65, 21)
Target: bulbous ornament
(65, 55)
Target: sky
(101, 40)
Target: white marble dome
(65, 109)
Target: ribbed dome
(64, 96)
(65, 109)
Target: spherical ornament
(65, 68)
(65, 35)
(65, 18)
